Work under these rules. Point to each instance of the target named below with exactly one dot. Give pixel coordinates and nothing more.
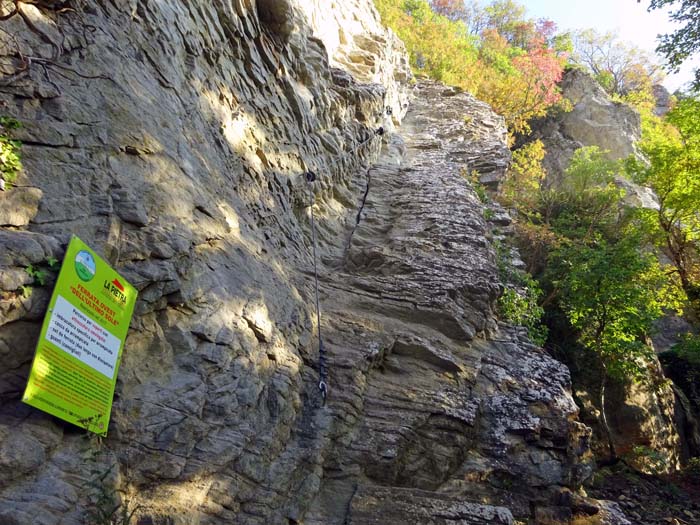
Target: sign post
(79, 350)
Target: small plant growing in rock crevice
(10, 162)
(106, 504)
(40, 272)
(519, 302)
(472, 176)
(655, 462)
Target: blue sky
(627, 18)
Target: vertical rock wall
(439, 414)
(173, 137)
(357, 42)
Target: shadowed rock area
(172, 137)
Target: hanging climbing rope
(322, 362)
(322, 370)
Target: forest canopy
(504, 58)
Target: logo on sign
(116, 291)
(85, 265)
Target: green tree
(586, 201)
(684, 42)
(611, 293)
(672, 147)
(618, 67)
(591, 264)
(452, 9)
(525, 177)
(519, 83)
(506, 17)
(439, 47)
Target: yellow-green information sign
(75, 366)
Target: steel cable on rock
(322, 357)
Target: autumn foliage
(511, 62)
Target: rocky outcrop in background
(594, 120)
(641, 415)
(173, 137)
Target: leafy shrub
(650, 460)
(688, 348)
(10, 162)
(520, 307)
(525, 177)
(519, 302)
(692, 470)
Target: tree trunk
(680, 250)
(693, 293)
(604, 418)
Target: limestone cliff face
(594, 120)
(437, 407)
(173, 137)
(357, 42)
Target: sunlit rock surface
(593, 120)
(433, 403)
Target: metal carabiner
(323, 388)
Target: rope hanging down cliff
(322, 362)
(322, 371)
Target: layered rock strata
(173, 137)
(436, 409)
